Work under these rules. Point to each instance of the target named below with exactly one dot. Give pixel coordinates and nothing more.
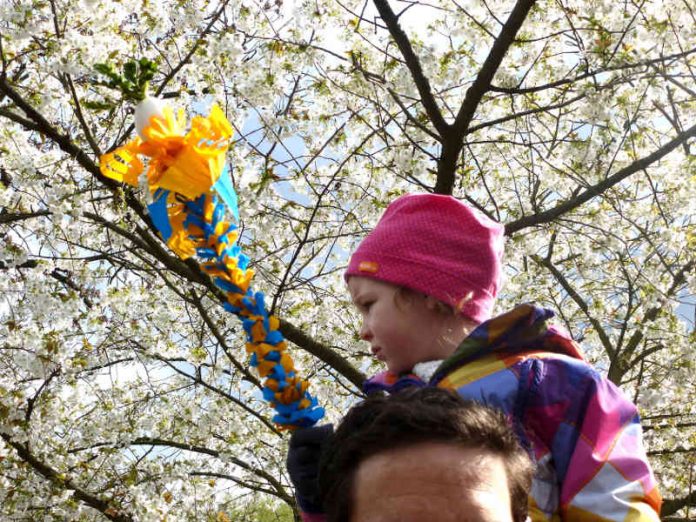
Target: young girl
(425, 280)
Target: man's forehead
(441, 482)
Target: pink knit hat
(436, 245)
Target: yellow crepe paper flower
(188, 164)
(123, 163)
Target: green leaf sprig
(133, 82)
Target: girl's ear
(431, 303)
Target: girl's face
(402, 334)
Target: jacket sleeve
(594, 437)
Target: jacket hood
(525, 328)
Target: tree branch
(495, 57)
(323, 352)
(199, 380)
(81, 117)
(652, 313)
(521, 114)
(452, 145)
(58, 479)
(223, 343)
(152, 441)
(671, 451)
(414, 66)
(601, 187)
(603, 337)
(246, 484)
(9, 217)
(589, 74)
(671, 506)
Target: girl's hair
(404, 296)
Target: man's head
(424, 454)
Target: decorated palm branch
(194, 208)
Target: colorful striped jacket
(583, 433)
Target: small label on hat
(371, 267)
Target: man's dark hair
(412, 416)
